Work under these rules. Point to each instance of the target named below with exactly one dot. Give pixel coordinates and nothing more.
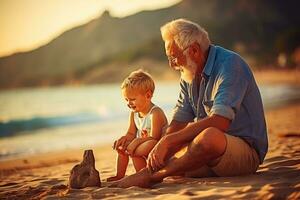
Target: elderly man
(218, 127)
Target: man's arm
(173, 141)
(172, 128)
(188, 133)
(175, 126)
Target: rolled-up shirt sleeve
(231, 86)
(183, 111)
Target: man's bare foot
(114, 178)
(143, 179)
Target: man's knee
(211, 142)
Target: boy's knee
(150, 143)
(145, 148)
(121, 153)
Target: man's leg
(204, 171)
(207, 146)
(239, 159)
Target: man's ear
(195, 51)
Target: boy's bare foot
(143, 178)
(114, 178)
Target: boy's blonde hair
(139, 80)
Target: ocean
(39, 120)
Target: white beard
(188, 72)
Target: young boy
(146, 123)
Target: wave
(271, 98)
(17, 127)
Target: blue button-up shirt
(227, 88)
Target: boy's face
(136, 100)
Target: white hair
(184, 33)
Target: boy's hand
(121, 143)
(121, 151)
(144, 133)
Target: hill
(107, 48)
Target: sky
(28, 24)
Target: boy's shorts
(238, 159)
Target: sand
(45, 176)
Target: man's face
(180, 61)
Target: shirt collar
(210, 61)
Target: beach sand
(45, 176)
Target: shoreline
(262, 76)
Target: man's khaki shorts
(238, 159)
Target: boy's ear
(148, 94)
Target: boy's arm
(158, 123)
(123, 142)
(131, 132)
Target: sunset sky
(27, 24)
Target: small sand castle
(85, 174)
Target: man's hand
(156, 158)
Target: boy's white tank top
(143, 123)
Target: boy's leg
(209, 145)
(145, 148)
(122, 162)
(141, 153)
(139, 163)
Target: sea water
(50, 119)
